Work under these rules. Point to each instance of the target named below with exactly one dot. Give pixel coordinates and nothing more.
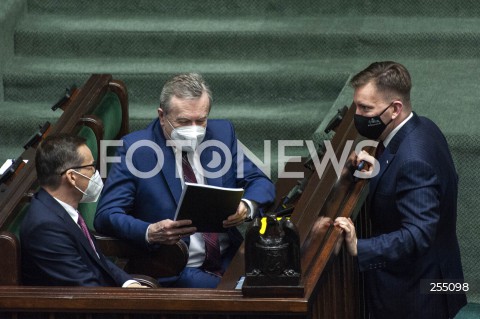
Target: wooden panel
(163, 301)
(331, 281)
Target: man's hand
(346, 224)
(136, 285)
(368, 165)
(169, 232)
(238, 218)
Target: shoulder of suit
(430, 127)
(219, 123)
(146, 133)
(42, 210)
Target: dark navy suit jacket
(55, 252)
(129, 203)
(413, 210)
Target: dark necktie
(83, 226)
(212, 262)
(379, 150)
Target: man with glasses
(142, 208)
(57, 249)
(412, 204)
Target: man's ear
(397, 109)
(71, 177)
(161, 115)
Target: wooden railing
(329, 276)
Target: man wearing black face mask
(412, 203)
(57, 249)
(371, 127)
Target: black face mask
(371, 127)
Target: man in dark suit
(57, 249)
(412, 203)
(144, 185)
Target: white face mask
(94, 188)
(192, 133)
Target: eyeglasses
(94, 164)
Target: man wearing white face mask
(142, 209)
(57, 249)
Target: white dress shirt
(395, 130)
(196, 250)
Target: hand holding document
(208, 206)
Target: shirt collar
(395, 130)
(72, 212)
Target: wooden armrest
(146, 281)
(164, 261)
(111, 246)
(10, 262)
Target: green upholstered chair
(88, 209)
(105, 123)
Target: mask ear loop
(170, 123)
(89, 178)
(78, 188)
(173, 128)
(384, 112)
(69, 179)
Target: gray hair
(185, 86)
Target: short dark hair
(55, 154)
(185, 86)
(388, 77)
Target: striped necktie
(83, 226)
(212, 262)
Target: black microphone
(293, 194)
(68, 94)
(361, 165)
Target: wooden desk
(329, 276)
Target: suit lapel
(169, 168)
(71, 226)
(56, 208)
(391, 150)
(385, 160)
